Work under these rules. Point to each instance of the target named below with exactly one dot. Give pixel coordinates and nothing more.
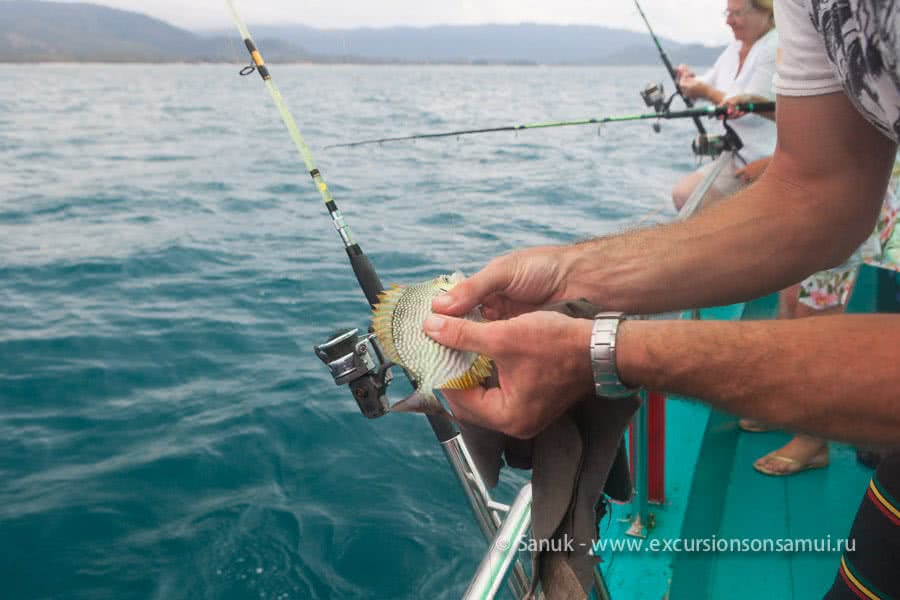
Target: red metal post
(656, 450)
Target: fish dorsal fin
(382, 320)
(477, 373)
(456, 277)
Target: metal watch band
(603, 357)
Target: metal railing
(486, 510)
(501, 554)
(504, 535)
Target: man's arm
(788, 373)
(816, 202)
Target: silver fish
(397, 322)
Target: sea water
(166, 267)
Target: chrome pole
(484, 508)
(501, 554)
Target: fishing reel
(359, 361)
(714, 145)
(654, 96)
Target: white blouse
(755, 78)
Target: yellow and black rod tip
(258, 61)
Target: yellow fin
(478, 372)
(383, 320)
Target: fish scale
(397, 323)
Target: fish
(397, 321)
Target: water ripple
(166, 268)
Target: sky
(683, 20)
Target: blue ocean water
(166, 267)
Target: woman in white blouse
(745, 68)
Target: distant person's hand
(542, 362)
(683, 71)
(752, 171)
(734, 113)
(692, 87)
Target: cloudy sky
(684, 20)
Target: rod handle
(365, 274)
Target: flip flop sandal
(753, 426)
(794, 466)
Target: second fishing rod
(691, 113)
(668, 64)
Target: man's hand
(542, 360)
(512, 285)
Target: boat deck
(712, 490)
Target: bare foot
(803, 452)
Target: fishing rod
(692, 113)
(662, 53)
(358, 361)
(371, 399)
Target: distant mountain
(523, 43)
(33, 30)
(48, 31)
(643, 54)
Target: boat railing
(505, 527)
(488, 515)
(501, 554)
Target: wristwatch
(603, 357)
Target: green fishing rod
(662, 53)
(362, 267)
(692, 113)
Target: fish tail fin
(424, 403)
(419, 401)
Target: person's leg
(808, 300)
(788, 302)
(868, 569)
(726, 184)
(685, 187)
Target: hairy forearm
(815, 203)
(794, 373)
(755, 243)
